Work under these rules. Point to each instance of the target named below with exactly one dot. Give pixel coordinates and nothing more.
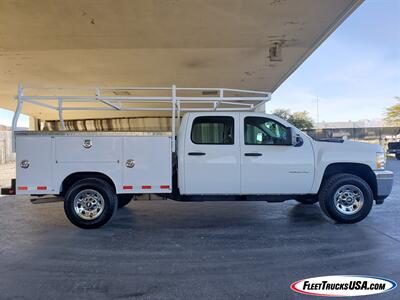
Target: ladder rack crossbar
(138, 99)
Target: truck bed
(136, 162)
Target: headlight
(380, 161)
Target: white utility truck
(223, 150)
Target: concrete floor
(171, 250)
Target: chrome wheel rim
(88, 204)
(349, 199)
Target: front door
(270, 163)
(212, 160)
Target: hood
(360, 146)
(346, 151)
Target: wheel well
(360, 170)
(74, 177)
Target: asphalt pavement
(204, 250)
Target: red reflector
(146, 187)
(22, 188)
(164, 186)
(128, 187)
(42, 188)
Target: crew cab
(220, 155)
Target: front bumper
(384, 184)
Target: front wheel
(398, 156)
(90, 203)
(346, 198)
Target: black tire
(124, 199)
(100, 187)
(398, 156)
(327, 194)
(307, 199)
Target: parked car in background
(394, 148)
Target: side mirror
(297, 140)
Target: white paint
(54, 157)
(40, 154)
(280, 169)
(218, 171)
(222, 170)
(153, 165)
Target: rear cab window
(213, 130)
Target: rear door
(270, 163)
(212, 161)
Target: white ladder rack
(108, 98)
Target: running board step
(42, 200)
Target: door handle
(196, 153)
(253, 154)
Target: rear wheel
(90, 203)
(346, 198)
(398, 156)
(124, 199)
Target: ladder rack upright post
(16, 114)
(173, 117)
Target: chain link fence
(375, 135)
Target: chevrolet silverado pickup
(226, 154)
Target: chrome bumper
(384, 184)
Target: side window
(213, 130)
(263, 131)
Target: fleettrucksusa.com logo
(343, 286)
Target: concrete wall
(6, 154)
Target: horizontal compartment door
(88, 149)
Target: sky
(7, 115)
(355, 73)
